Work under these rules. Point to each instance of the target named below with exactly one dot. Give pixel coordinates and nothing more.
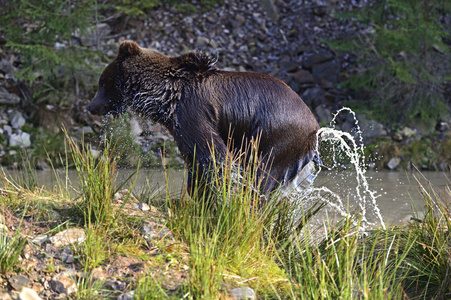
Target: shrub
(403, 59)
(51, 59)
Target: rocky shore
(280, 38)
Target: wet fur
(202, 106)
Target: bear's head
(109, 98)
(148, 82)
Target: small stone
(7, 130)
(68, 236)
(67, 256)
(393, 163)
(143, 206)
(244, 293)
(28, 294)
(64, 282)
(317, 58)
(18, 282)
(202, 41)
(16, 119)
(87, 130)
(40, 239)
(289, 66)
(95, 153)
(442, 126)
(6, 98)
(127, 296)
(324, 114)
(271, 10)
(328, 70)
(314, 95)
(149, 226)
(20, 139)
(303, 76)
(408, 132)
(50, 250)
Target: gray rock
(324, 114)
(370, 129)
(64, 282)
(393, 163)
(67, 256)
(154, 230)
(6, 67)
(40, 239)
(50, 250)
(328, 71)
(7, 130)
(315, 59)
(244, 293)
(21, 139)
(6, 98)
(271, 10)
(314, 96)
(18, 282)
(303, 76)
(68, 236)
(288, 65)
(87, 130)
(202, 42)
(127, 296)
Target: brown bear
(204, 107)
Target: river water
(398, 193)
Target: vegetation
(403, 59)
(10, 249)
(51, 60)
(232, 242)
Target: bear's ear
(128, 48)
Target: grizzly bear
(205, 108)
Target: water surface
(398, 193)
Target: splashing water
(346, 143)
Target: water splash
(354, 151)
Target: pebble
(18, 282)
(393, 163)
(244, 293)
(64, 282)
(67, 237)
(40, 239)
(28, 294)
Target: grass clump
(231, 237)
(10, 249)
(97, 182)
(230, 233)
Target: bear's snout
(95, 107)
(99, 105)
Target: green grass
(11, 248)
(233, 241)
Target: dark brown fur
(202, 106)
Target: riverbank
(286, 39)
(103, 243)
